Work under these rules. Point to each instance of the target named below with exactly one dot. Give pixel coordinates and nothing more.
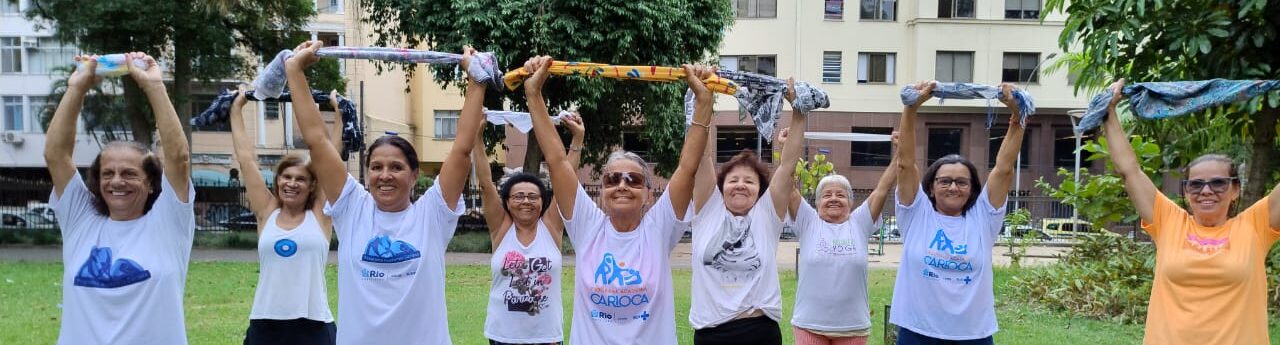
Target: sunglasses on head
(619, 177)
(1217, 185)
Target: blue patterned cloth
(484, 67)
(352, 136)
(760, 96)
(943, 91)
(1158, 100)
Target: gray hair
(837, 179)
(631, 156)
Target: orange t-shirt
(1210, 284)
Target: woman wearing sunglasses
(738, 215)
(391, 248)
(623, 292)
(526, 230)
(949, 224)
(1209, 286)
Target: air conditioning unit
(11, 137)
(30, 42)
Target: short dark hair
(749, 159)
(406, 148)
(975, 185)
(151, 167)
(504, 191)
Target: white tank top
(291, 277)
(524, 301)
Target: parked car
(1068, 228)
(244, 221)
(25, 220)
(42, 209)
(1023, 230)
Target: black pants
(760, 330)
(494, 342)
(296, 331)
(907, 337)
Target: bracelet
(695, 123)
(575, 148)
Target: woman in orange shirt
(1210, 286)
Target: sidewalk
(681, 257)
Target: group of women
(129, 224)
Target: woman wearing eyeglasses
(623, 292)
(949, 222)
(526, 230)
(1209, 286)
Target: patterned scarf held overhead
(760, 96)
(717, 84)
(1158, 100)
(352, 137)
(521, 121)
(943, 91)
(484, 66)
(113, 65)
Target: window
(944, 141)
(631, 141)
(11, 106)
(955, 8)
(48, 54)
(831, 67)
(329, 6)
(879, 10)
(270, 110)
(871, 153)
(1064, 148)
(36, 107)
(1022, 9)
(10, 54)
(9, 7)
(955, 67)
(755, 8)
(876, 67)
(446, 124)
(997, 138)
(834, 10)
(759, 64)
(1021, 68)
(733, 140)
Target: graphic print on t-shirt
(530, 280)
(950, 258)
(618, 293)
(1206, 245)
(837, 247)
(732, 251)
(382, 249)
(286, 247)
(100, 272)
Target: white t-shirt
(623, 292)
(391, 268)
(123, 280)
(734, 265)
(831, 292)
(524, 299)
(943, 289)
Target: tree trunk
(136, 109)
(533, 156)
(1263, 159)
(182, 88)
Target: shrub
(1103, 277)
(471, 242)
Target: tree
(200, 40)
(1234, 39)
(656, 32)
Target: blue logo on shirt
(286, 247)
(944, 244)
(382, 249)
(100, 272)
(610, 271)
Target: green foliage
(656, 32)
(471, 242)
(1019, 241)
(1102, 277)
(35, 237)
(808, 173)
(1101, 199)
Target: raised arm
(1274, 201)
(704, 181)
(177, 151)
(680, 188)
(457, 165)
(261, 202)
(495, 216)
(60, 139)
(577, 131)
(1142, 192)
(1001, 177)
(330, 172)
(875, 201)
(908, 173)
(783, 180)
(564, 178)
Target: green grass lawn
(219, 296)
